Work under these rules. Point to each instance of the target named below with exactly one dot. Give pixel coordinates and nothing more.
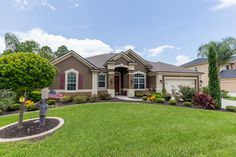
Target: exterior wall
(228, 85)
(139, 66)
(204, 77)
(70, 63)
(151, 82)
(121, 60)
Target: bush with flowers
(30, 105)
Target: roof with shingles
(197, 61)
(228, 74)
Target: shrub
(104, 96)
(52, 102)
(147, 93)
(13, 107)
(144, 98)
(66, 99)
(35, 96)
(167, 96)
(187, 93)
(0, 112)
(31, 107)
(151, 98)
(3, 105)
(164, 91)
(204, 100)
(205, 90)
(158, 95)
(176, 95)
(231, 108)
(224, 94)
(188, 104)
(93, 98)
(172, 102)
(160, 100)
(139, 93)
(213, 74)
(80, 99)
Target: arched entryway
(121, 80)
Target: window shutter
(80, 81)
(62, 80)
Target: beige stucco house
(118, 73)
(227, 73)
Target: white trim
(102, 88)
(60, 124)
(145, 79)
(94, 83)
(77, 56)
(121, 65)
(66, 78)
(146, 63)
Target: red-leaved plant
(204, 100)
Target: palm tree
(225, 50)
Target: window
(227, 67)
(71, 81)
(139, 81)
(102, 80)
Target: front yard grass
(126, 129)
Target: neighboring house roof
(197, 61)
(77, 56)
(228, 74)
(233, 59)
(164, 67)
(99, 60)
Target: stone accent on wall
(130, 80)
(111, 80)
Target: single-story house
(118, 73)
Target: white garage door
(175, 83)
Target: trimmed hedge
(80, 99)
(160, 100)
(231, 108)
(31, 107)
(52, 102)
(35, 96)
(66, 99)
(172, 102)
(13, 107)
(188, 104)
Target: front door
(117, 85)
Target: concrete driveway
(228, 103)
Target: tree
(25, 72)
(224, 50)
(46, 52)
(214, 82)
(28, 46)
(61, 50)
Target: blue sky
(160, 30)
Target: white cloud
(85, 47)
(47, 4)
(76, 4)
(181, 59)
(26, 4)
(158, 50)
(224, 4)
(124, 48)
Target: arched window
(139, 81)
(71, 80)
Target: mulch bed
(29, 128)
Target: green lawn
(231, 98)
(126, 129)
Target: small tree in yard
(214, 83)
(23, 72)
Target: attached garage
(175, 82)
(228, 85)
